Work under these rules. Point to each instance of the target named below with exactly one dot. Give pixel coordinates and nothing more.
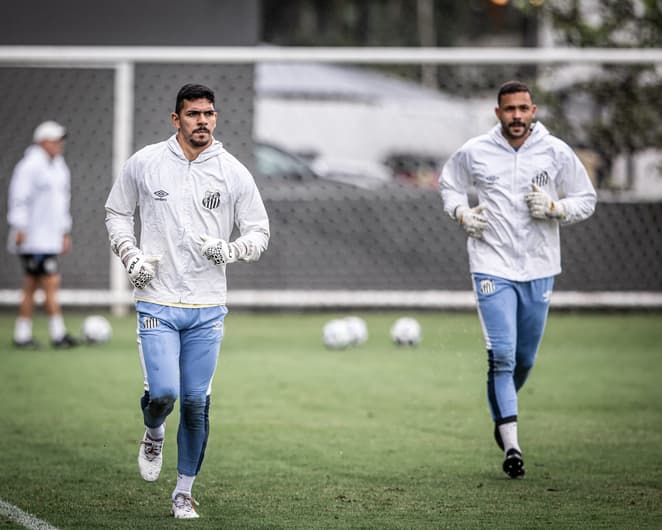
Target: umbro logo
(161, 195)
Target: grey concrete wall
(130, 22)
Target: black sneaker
(66, 342)
(497, 437)
(27, 344)
(513, 465)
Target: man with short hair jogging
(191, 193)
(528, 184)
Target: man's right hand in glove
(473, 220)
(140, 268)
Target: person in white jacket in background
(528, 183)
(40, 230)
(191, 193)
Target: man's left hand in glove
(541, 205)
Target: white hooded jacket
(516, 246)
(39, 201)
(180, 200)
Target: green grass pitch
(372, 437)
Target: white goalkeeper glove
(541, 205)
(217, 250)
(222, 252)
(473, 220)
(140, 268)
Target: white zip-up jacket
(39, 201)
(180, 200)
(516, 246)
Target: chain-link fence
(346, 152)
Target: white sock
(156, 433)
(23, 329)
(56, 327)
(508, 432)
(184, 485)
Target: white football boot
(150, 458)
(182, 507)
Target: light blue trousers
(179, 351)
(513, 317)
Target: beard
(199, 143)
(507, 129)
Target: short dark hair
(191, 92)
(512, 87)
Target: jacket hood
(538, 132)
(215, 149)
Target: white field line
(16, 515)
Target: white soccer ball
(406, 331)
(357, 328)
(337, 334)
(96, 329)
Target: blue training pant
(512, 316)
(179, 349)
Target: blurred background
(347, 149)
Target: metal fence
(380, 238)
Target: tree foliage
(607, 23)
(397, 23)
(621, 110)
(388, 22)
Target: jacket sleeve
(67, 221)
(120, 207)
(251, 215)
(454, 182)
(575, 190)
(18, 212)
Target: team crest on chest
(212, 199)
(541, 179)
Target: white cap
(49, 130)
